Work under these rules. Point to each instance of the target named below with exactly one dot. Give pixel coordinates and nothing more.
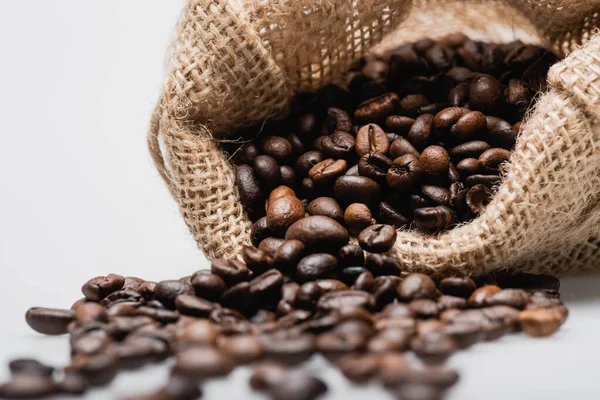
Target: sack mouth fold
(544, 215)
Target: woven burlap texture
(233, 63)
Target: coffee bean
(434, 347)
(468, 150)
(288, 254)
(437, 195)
(319, 233)
(382, 264)
(404, 173)
(391, 216)
(29, 366)
(446, 118)
(335, 345)
(467, 167)
(518, 96)
(200, 362)
(266, 375)
(348, 298)
(486, 94)
(259, 231)
(371, 139)
(541, 322)
(288, 348)
(277, 147)
(207, 285)
(249, 187)
(447, 302)
(399, 124)
(401, 147)
(359, 367)
(339, 145)
(256, 260)
(357, 217)
(242, 348)
(420, 132)
(391, 366)
(364, 282)
(267, 170)
(492, 159)
(316, 266)
(72, 383)
(326, 206)
(307, 296)
(308, 160)
(288, 176)
(459, 95)
(28, 386)
(469, 126)
(488, 180)
(411, 103)
(457, 286)
(439, 217)
(377, 238)
(246, 154)
(377, 108)
(191, 305)
(479, 297)
(90, 312)
(374, 166)
(49, 321)
(167, 291)
(283, 210)
(417, 286)
(500, 132)
(98, 369)
(101, 286)
(266, 288)
(424, 308)
(327, 171)
(435, 161)
(122, 296)
(516, 298)
(478, 197)
(351, 255)
(337, 120)
(352, 171)
(298, 385)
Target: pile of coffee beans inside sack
(416, 140)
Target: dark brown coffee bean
(401, 147)
(434, 347)
(351, 255)
(339, 145)
(337, 120)
(459, 95)
(49, 321)
(501, 133)
(439, 217)
(417, 286)
(101, 286)
(238, 297)
(349, 298)
(424, 308)
(399, 124)
(288, 176)
(377, 108)
(199, 332)
(420, 132)
(353, 171)
(259, 231)
(121, 296)
(389, 340)
(377, 238)
(284, 208)
(437, 195)
(457, 286)
(516, 298)
(308, 160)
(349, 275)
(286, 348)
(98, 369)
(492, 159)
(92, 342)
(435, 161)
(200, 362)
(277, 147)
(371, 139)
(267, 170)
(432, 109)
(316, 266)
(134, 352)
(411, 103)
(469, 126)
(327, 171)
(357, 217)
(297, 144)
(307, 296)
(359, 367)
(326, 206)
(335, 345)
(374, 166)
(391, 216)
(133, 283)
(167, 291)
(318, 233)
(518, 96)
(317, 144)
(249, 186)
(479, 297)
(288, 254)
(191, 305)
(447, 302)
(540, 322)
(478, 197)
(486, 94)
(178, 387)
(266, 288)
(404, 173)
(266, 375)
(242, 348)
(29, 366)
(385, 290)
(467, 167)
(72, 383)
(391, 366)
(90, 312)
(270, 246)
(467, 150)
(356, 189)
(488, 180)
(446, 118)
(207, 285)
(28, 386)
(246, 154)
(298, 385)
(382, 264)
(256, 260)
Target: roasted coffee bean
(307, 296)
(467, 167)
(349, 298)
(447, 302)
(374, 166)
(146, 290)
(101, 286)
(326, 206)
(405, 173)
(277, 147)
(357, 217)
(371, 139)
(335, 345)
(327, 171)
(437, 195)
(207, 285)
(417, 286)
(133, 283)
(351, 255)
(389, 340)
(337, 120)
(316, 266)
(98, 369)
(478, 197)
(435, 161)
(267, 171)
(49, 321)
(434, 347)
(479, 297)
(420, 132)
(391, 216)
(29, 366)
(242, 348)
(266, 288)
(401, 147)
(308, 160)
(457, 286)
(256, 260)
(28, 386)
(339, 145)
(298, 385)
(288, 176)
(487, 180)
(486, 94)
(410, 104)
(167, 291)
(359, 367)
(122, 296)
(90, 312)
(516, 298)
(433, 108)
(194, 306)
(469, 126)
(259, 231)
(357, 189)
(364, 282)
(349, 275)
(467, 150)
(492, 159)
(161, 315)
(518, 96)
(246, 154)
(199, 332)
(266, 375)
(377, 238)
(391, 366)
(200, 362)
(446, 118)
(377, 108)
(231, 271)
(500, 132)
(384, 291)
(382, 264)
(288, 254)
(288, 348)
(284, 208)
(439, 217)
(424, 308)
(239, 298)
(459, 95)
(249, 186)
(134, 352)
(399, 124)
(540, 322)
(72, 383)
(319, 233)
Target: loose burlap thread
(234, 63)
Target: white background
(79, 197)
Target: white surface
(80, 197)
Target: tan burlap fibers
(233, 63)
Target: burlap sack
(233, 63)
